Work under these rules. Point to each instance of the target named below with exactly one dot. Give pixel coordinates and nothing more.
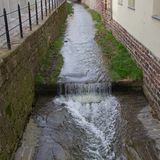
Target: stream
(86, 121)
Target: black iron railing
(24, 18)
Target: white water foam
(97, 115)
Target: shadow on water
(85, 122)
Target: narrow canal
(86, 121)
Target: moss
(51, 65)
(121, 65)
(9, 110)
(39, 78)
(56, 46)
(4, 156)
(69, 7)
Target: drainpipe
(111, 9)
(107, 7)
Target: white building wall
(139, 22)
(11, 5)
(4, 4)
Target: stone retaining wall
(17, 77)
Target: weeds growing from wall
(53, 62)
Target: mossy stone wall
(17, 80)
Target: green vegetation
(53, 61)
(56, 48)
(69, 8)
(52, 64)
(121, 65)
(39, 79)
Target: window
(156, 9)
(131, 4)
(120, 2)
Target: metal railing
(24, 18)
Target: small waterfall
(78, 88)
(96, 115)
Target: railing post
(49, 4)
(29, 16)
(7, 29)
(20, 21)
(46, 7)
(52, 4)
(56, 4)
(36, 8)
(41, 9)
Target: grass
(53, 61)
(51, 65)
(121, 65)
(69, 8)
(56, 48)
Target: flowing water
(85, 122)
(87, 87)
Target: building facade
(137, 25)
(141, 21)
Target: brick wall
(99, 5)
(144, 58)
(17, 73)
(96, 3)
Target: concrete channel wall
(18, 68)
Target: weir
(74, 88)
